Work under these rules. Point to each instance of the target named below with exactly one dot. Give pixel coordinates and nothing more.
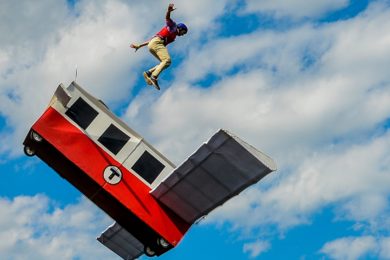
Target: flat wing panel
(217, 171)
(121, 242)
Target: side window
(81, 113)
(148, 167)
(113, 139)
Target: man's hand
(171, 7)
(135, 46)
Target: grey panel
(121, 242)
(178, 202)
(61, 95)
(209, 186)
(217, 171)
(224, 171)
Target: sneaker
(155, 82)
(147, 75)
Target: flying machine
(153, 202)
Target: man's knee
(167, 62)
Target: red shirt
(169, 32)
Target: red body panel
(131, 192)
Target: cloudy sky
(306, 82)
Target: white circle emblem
(112, 174)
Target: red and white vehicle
(153, 202)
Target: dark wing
(121, 242)
(217, 171)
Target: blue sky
(306, 82)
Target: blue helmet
(182, 26)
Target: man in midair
(157, 46)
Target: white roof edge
(268, 161)
(98, 103)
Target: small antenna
(75, 74)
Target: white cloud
(27, 28)
(256, 248)
(350, 248)
(318, 120)
(313, 97)
(277, 98)
(34, 228)
(354, 180)
(385, 248)
(366, 207)
(357, 248)
(95, 38)
(199, 15)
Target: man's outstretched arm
(137, 46)
(171, 8)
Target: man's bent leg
(157, 48)
(165, 62)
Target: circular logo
(112, 174)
